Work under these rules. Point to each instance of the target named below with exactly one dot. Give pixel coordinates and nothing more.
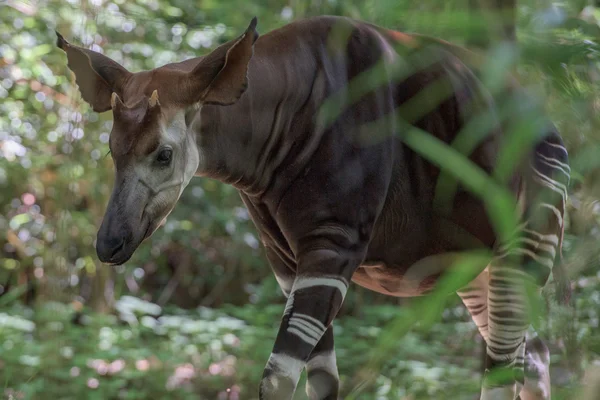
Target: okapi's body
(333, 201)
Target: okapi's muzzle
(135, 211)
(116, 240)
(123, 228)
(109, 246)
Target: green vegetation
(195, 312)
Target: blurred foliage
(196, 310)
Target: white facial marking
(177, 132)
(186, 159)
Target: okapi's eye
(164, 156)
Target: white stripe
(547, 238)
(325, 361)
(285, 365)
(548, 249)
(308, 282)
(556, 167)
(496, 307)
(518, 327)
(310, 319)
(516, 296)
(506, 344)
(555, 211)
(510, 337)
(507, 273)
(306, 327)
(289, 304)
(551, 183)
(505, 321)
(303, 336)
(542, 260)
(554, 160)
(536, 244)
(513, 242)
(558, 146)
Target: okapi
(331, 204)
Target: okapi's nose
(108, 248)
(110, 240)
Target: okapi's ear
(96, 75)
(221, 77)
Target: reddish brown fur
(135, 130)
(212, 79)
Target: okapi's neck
(244, 144)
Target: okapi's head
(154, 151)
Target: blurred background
(195, 312)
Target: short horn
(115, 101)
(153, 102)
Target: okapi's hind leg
(537, 369)
(537, 358)
(497, 299)
(525, 265)
(322, 375)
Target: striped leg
(286, 369)
(526, 264)
(508, 320)
(323, 379)
(508, 310)
(537, 358)
(537, 369)
(312, 305)
(474, 297)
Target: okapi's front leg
(315, 299)
(323, 380)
